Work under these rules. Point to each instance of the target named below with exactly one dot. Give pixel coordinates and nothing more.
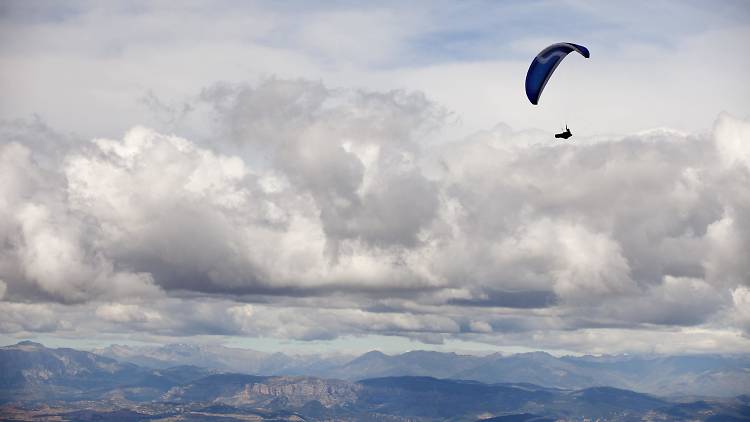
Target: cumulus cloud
(30, 317)
(741, 309)
(316, 213)
(731, 136)
(48, 251)
(117, 312)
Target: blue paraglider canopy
(544, 64)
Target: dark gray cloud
(510, 299)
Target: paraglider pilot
(565, 135)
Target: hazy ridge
(67, 384)
(702, 375)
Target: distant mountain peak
(29, 344)
(536, 353)
(373, 357)
(429, 353)
(373, 354)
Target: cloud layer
(316, 213)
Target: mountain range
(40, 383)
(690, 375)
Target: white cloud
(332, 208)
(328, 210)
(125, 313)
(49, 243)
(731, 140)
(741, 310)
(480, 327)
(29, 317)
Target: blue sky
(355, 175)
(468, 56)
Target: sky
(347, 176)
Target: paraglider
(542, 68)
